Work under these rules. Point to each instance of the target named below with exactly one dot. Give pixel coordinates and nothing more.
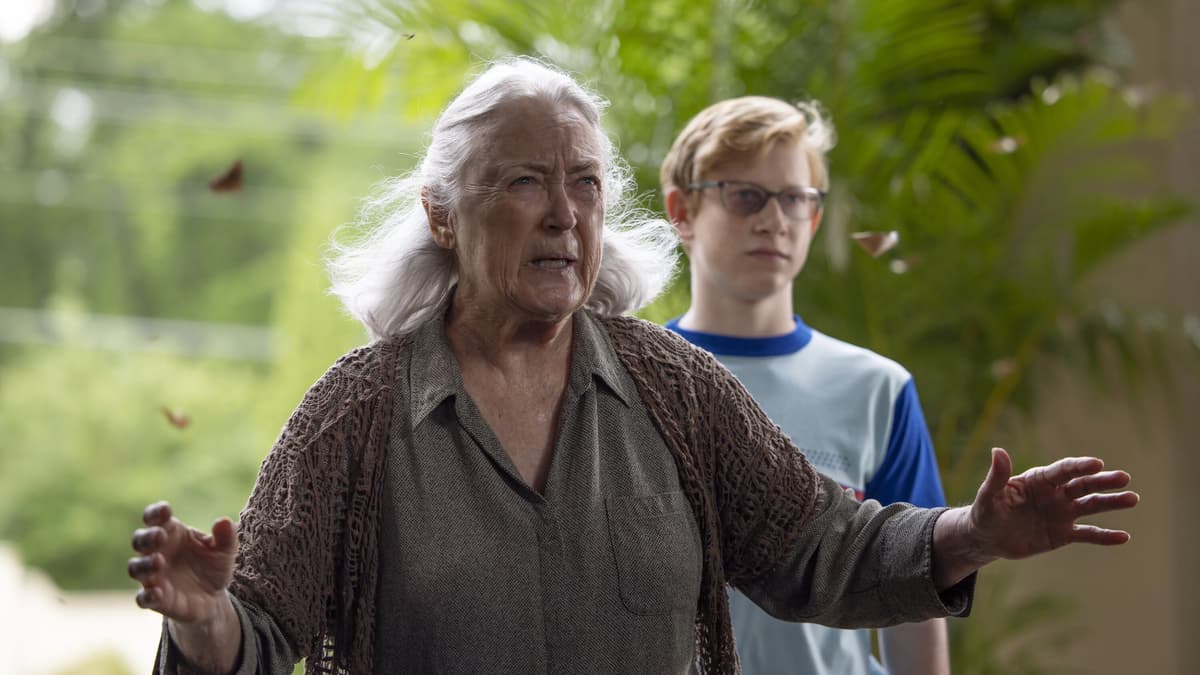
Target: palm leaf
(978, 129)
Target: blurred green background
(155, 333)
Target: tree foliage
(998, 137)
(112, 125)
(89, 439)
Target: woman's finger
(139, 567)
(1101, 503)
(998, 473)
(142, 567)
(1100, 482)
(224, 535)
(1090, 534)
(1067, 469)
(158, 513)
(146, 540)
(149, 598)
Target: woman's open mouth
(552, 263)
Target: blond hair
(743, 127)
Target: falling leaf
(876, 243)
(229, 181)
(1140, 95)
(176, 418)
(1002, 368)
(1191, 328)
(1006, 145)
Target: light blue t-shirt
(856, 416)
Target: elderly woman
(514, 477)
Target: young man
(744, 185)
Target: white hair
(393, 277)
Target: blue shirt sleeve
(909, 472)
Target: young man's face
(748, 257)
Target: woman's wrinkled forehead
(540, 135)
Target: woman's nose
(561, 214)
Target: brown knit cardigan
(308, 549)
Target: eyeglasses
(745, 199)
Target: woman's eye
(587, 188)
(524, 180)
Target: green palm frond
(1010, 632)
(992, 135)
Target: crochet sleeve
(263, 650)
(797, 543)
(860, 565)
(298, 566)
(788, 537)
(765, 489)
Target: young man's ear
(439, 222)
(679, 213)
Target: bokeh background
(161, 311)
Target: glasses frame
(720, 185)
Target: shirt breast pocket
(657, 550)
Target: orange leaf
(877, 243)
(229, 181)
(177, 419)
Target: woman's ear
(679, 213)
(439, 222)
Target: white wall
(43, 630)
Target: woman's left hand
(1035, 512)
(1019, 516)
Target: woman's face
(527, 230)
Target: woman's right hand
(184, 572)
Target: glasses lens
(799, 203)
(743, 199)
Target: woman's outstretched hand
(184, 575)
(1035, 512)
(183, 571)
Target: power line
(222, 74)
(164, 52)
(135, 334)
(134, 106)
(17, 183)
(188, 215)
